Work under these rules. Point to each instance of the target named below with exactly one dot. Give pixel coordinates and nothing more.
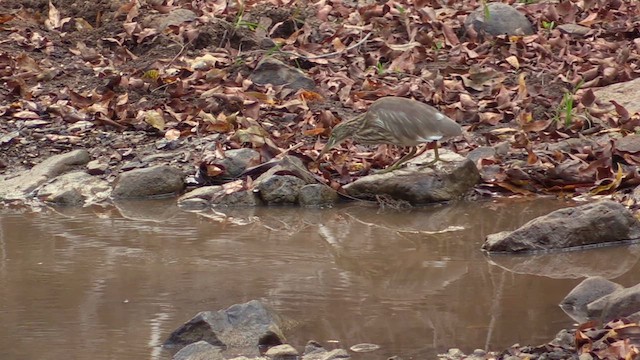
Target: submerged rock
(587, 225)
(419, 184)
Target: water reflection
(113, 283)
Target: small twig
(350, 47)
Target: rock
(241, 328)
(75, 188)
(96, 167)
(237, 161)
(288, 165)
(502, 19)
(275, 72)
(625, 93)
(280, 189)
(589, 290)
(238, 198)
(154, 181)
(282, 352)
(573, 29)
(620, 303)
(24, 185)
(327, 355)
(200, 350)
(314, 351)
(591, 224)
(215, 195)
(417, 184)
(175, 17)
(317, 195)
(199, 198)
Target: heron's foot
(390, 168)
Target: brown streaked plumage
(397, 121)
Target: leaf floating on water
(364, 347)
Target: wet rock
(238, 198)
(241, 328)
(620, 303)
(154, 181)
(199, 198)
(314, 351)
(200, 350)
(275, 72)
(418, 184)
(502, 19)
(75, 188)
(25, 184)
(280, 189)
(591, 224)
(589, 290)
(288, 165)
(282, 352)
(206, 196)
(317, 195)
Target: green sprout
(548, 25)
(566, 105)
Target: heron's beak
(330, 144)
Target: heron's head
(339, 134)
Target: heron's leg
(436, 157)
(408, 156)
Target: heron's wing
(415, 124)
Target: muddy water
(113, 283)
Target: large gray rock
(200, 350)
(75, 188)
(587, 225)
(419, 184)
(24, 185)
(241, 328)
(154, 181)
(498, 19)
(589, 290)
